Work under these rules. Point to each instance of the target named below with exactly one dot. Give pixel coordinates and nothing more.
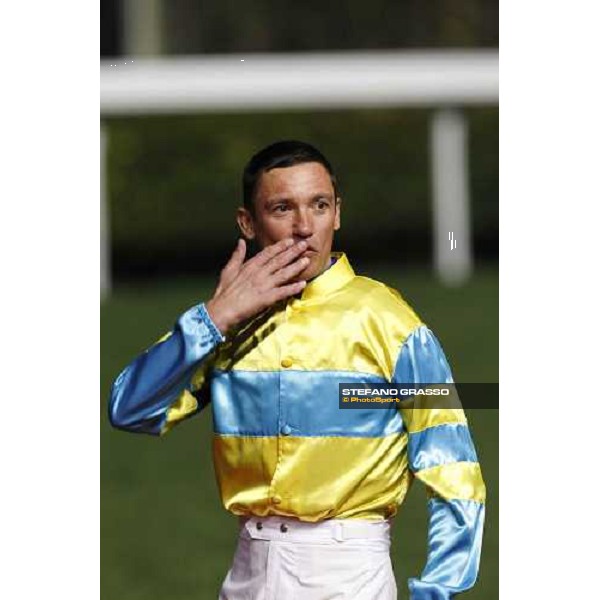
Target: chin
(316, 266)
(305, 274)
(312, 271)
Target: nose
(303, 224)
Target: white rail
(265, 82)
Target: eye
(322, 204)
(280, 208)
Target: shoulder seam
(400, 300)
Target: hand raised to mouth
(247, 288)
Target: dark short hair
(285, 153)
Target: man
(315, 487)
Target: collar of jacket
(330, 280)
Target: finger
(286, 291)
(241, 251)
(233, 266)
(265, 255)
(286, 273)
(237, 257)
(284, 258)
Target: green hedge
(174, 182)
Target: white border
(548, 299)
(49, 191)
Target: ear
(338, 208)
(245, 223)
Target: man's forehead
(304, 179)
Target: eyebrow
(272, 202)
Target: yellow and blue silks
(281, 443)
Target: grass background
(164, 533)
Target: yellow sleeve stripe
(163, 338)
(185, 404)
(418, 419)
(455, 481)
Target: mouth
(309, 254)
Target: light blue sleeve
(441, 454)
(145, 390)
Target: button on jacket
(281, 444)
